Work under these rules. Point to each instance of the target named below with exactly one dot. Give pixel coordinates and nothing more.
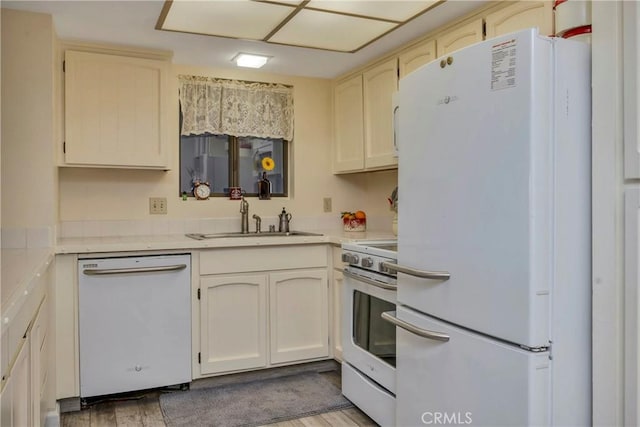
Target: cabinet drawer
(262, 259)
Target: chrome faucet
(258, 222)
(244, 210)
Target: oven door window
(370, 331)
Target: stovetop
(369, 255)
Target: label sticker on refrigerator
(503, 65)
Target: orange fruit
(360, 215)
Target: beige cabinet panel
(337, 313)
(65, 308)
(39, 347)
(379, 85)
(233, 322)
(521, 15)
(631, 96)
(348, 138)
(298, 308)
(115, 109)
(416, 57)
(6, 400)
(459, 37)
(16, 395)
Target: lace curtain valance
(236, 108)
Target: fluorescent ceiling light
(250, 60)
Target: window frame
(234, 168)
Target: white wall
(104, 194)
(29, 193)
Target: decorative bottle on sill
(264, 188)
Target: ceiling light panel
(330, 31)
(236, 19)
(392, 10)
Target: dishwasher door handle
(135, 270)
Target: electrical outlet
(158, 205)
(326, 204)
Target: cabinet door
(631, 44)
(39, 347)
(233, 322)
(459, 37)
(632, 303)
(521, 15)
(379, 85)
(348, 141)
(416, 57)
(20, 388)
(337, 314)
(114, 111)
(298, 308)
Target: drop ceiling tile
(330, 31)
(236, 19)
(392, 10)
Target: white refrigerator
(494, 240)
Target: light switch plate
(158, 205)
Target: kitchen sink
(202, 236)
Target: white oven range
(369, 342)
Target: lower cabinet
(298, 315)
(26, 395)
(233, 322)
(24, 401)
(16, 393)
(256, 319)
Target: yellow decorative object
(268, 163)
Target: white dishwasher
(135, 323)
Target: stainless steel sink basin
(202, 236)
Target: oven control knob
(350, 258)
(366, 262)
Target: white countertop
(19, 267)
(180, 241)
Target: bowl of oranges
(354, 221)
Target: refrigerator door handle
(390, 317)
(423, 274)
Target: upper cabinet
(348, 139)
(416, 57)
(115, 111)
(380, 83)
(521, 15)
(363, 120)
(459, 37)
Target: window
(227, 128)
(227, 161)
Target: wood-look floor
(145, 411)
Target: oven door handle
(423, 274)
(390, 317)
(369, 281)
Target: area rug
(253, 403)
